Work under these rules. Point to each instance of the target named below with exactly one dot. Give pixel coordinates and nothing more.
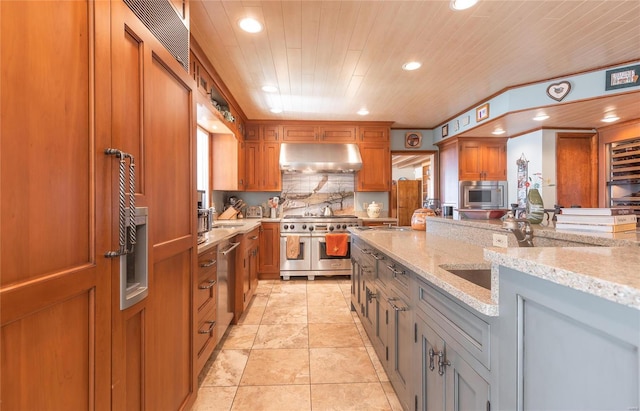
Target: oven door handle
(324, 240)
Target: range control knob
(331, 227)
(286, 227)
(344, 226)
(292, 226)
(304, 226)
(310, 228)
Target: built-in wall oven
(303, 246)
(483, 194)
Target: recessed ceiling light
(250, 25)
(270, 89)
(363, 111)
(498, 131)
(462, 4)
(276, 110)
(610, 118)
(412, 65)
(541, 117)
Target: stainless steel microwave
(483, 194)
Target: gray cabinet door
(380, 341)
(466, 390)
(401, 340)
(562, 349)
(445, 380)
(429, 386)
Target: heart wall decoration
(558, 91)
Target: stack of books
(607, 220)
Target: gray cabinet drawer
(470, 332)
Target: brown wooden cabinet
(246, 280)
(482, 159)
(373, 133)
(375, 174)
(206, 293)
(227, 156)
(320, 133)
(269, 257)
(262, 155)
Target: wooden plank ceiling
(329, 59)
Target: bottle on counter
(535, 206)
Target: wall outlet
(500, 240)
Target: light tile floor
(297, 347)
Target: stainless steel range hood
(336, 158)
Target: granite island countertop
(424, 253)
(612, 273)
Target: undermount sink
(478, 276)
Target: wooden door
(54, 213)
(253, 162)
(153, 106)
(408, 200)
(272, 180)
(494, 161)
(375, 174)
(576, 169)
(270, 133)
(269, 255)
(470, 160)
(373, 133)
(338, 134)
(303, 134)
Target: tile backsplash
(312, 192)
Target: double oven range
(309, 233)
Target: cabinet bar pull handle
(255, 237)
(442, 362)
(208, 330)
(210, 284)
(209, 263)
(431, 362)
(395, 307)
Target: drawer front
(207, 264)
(395, 274)
(206, 332)
(471, 332)
(252, 238)
(207, 292)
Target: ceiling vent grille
(165, 24)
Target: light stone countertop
(424, 253)
(612, 273)
(543, 234)
(225, 229)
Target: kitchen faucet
(521, 228)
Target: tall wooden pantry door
(54, 213)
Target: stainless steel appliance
(483, 194)
(320, 157)
(226, 279)
(309, 234)
(205, 217)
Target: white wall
(539, 147)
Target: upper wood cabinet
(483, 159)
(262, 155)
(373, 133)
(319, 133)
(375, 174)
(227, 169)
(299, 134)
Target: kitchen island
(558, 329)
